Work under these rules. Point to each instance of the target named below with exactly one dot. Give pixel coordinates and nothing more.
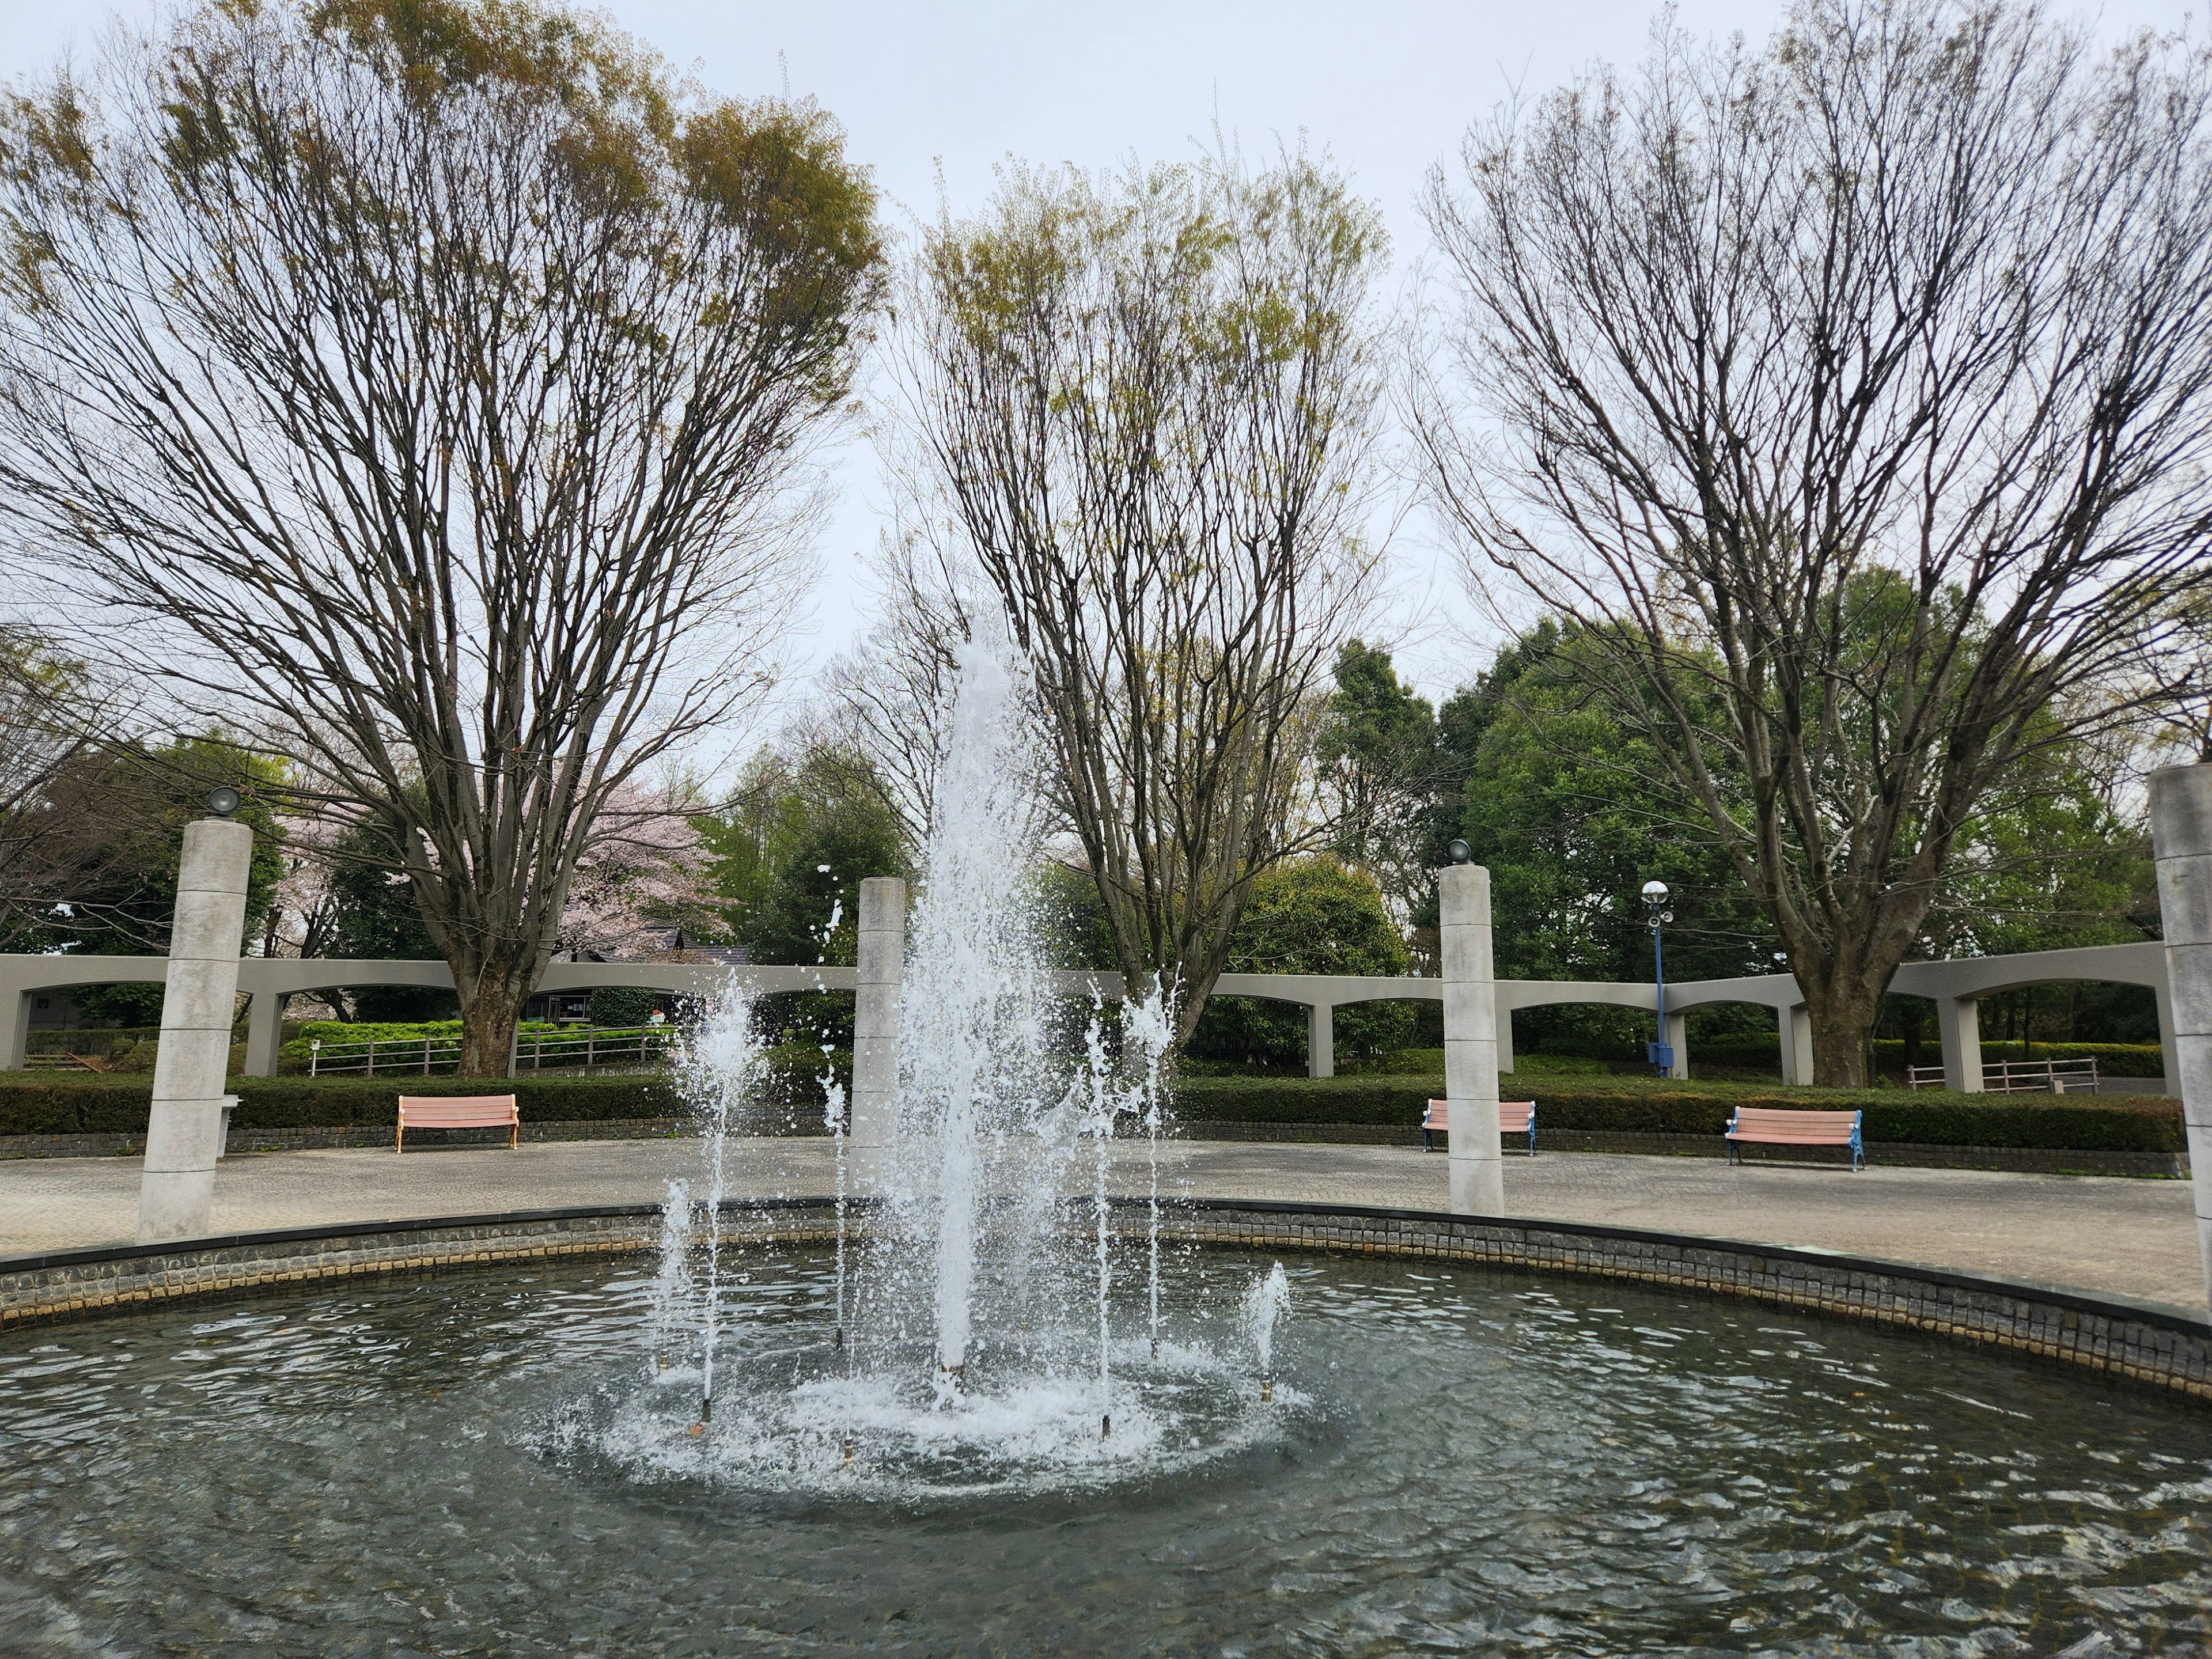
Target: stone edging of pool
(2164, 1348)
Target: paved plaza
(2107, 1235)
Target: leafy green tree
(787, 860)
(1378, 756)
(142, 797)
(1310, 915)
(793, 847)
(1545, 785)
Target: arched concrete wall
(1956, 987)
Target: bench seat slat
(1769, 1125)
(457, 1112)
(1515, 1117)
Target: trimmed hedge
(43, 1105)
(1656, 1106)
(117, 1106)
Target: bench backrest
(457, 1111)
(1815, 1128)
(1513, 1116)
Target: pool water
(1455, 1462)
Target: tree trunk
(492, 995)
(1844, 1010)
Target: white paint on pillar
(1321, 1040)
(1478, 1169)
(2181, 841)
(1958, 1026)
(184, 1129)
(876, 981)
(1678, 1039)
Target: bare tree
(891, 697)
(429, 385)
(1855, 393)
(1147, 407)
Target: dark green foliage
(106, 1105)
(138, 799)
(375, 919)
(623, 1005)
(132, 1004)
(1378, 758)
(794, 1079)
(809, 1019)
(109, 1106)
(1312, 915)
(1549, 790)
(1072, 920)
(791, 852)
(1651, 1106)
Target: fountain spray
(1147, 1030)
(1268, 1300)
(1101, 1126)
(723, 1058)
(833, 1095)
(671, 1285)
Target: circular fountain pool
(1454, 1460)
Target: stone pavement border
(2162, 1349)
(1890, 1154)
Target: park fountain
(975, 1333)
(974, 1405)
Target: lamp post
(1660, 1053)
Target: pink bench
(458, 1112)
(1514, 1117)
(1781, 1128)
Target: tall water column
(1478, 1169)
(881, 963)
(2181, 841)
(184, 1131)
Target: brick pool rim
(2163, 1347)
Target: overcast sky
(927, 90)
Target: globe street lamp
(1661, 1053)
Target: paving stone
(2104, 1236)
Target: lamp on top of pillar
(1459, 852)
(223, 800)
(1659, 1052)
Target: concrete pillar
(2181, 841)
(265, 1033)
(1321, 1040)
(882, 964)
(1478, 1170)
(183, 1132)
(1505, 1042)
(14, 1029)
(1796, 1038)
(1958, 1025)
(1678, 1039)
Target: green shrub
(623, 1005)
(115, 1106)
(794, 1075)
(1658, 1106)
